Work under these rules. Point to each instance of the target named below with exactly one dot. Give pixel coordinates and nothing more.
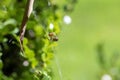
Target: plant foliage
(38, 45)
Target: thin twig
(28, 10)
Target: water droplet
(67, 19)
(25, 63)
(51, 26)
(106, 77)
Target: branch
(28, 10)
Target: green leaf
(10, 21)
(1, 64)
(39, 30)
(46, 76)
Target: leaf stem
(28, 11)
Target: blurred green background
(93, 22)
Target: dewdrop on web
(51, 26)
(67, 19)
(106, 77)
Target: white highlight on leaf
(25, 63)
(106, 77)
(51, 26)
(49, 4)
(67, 19)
